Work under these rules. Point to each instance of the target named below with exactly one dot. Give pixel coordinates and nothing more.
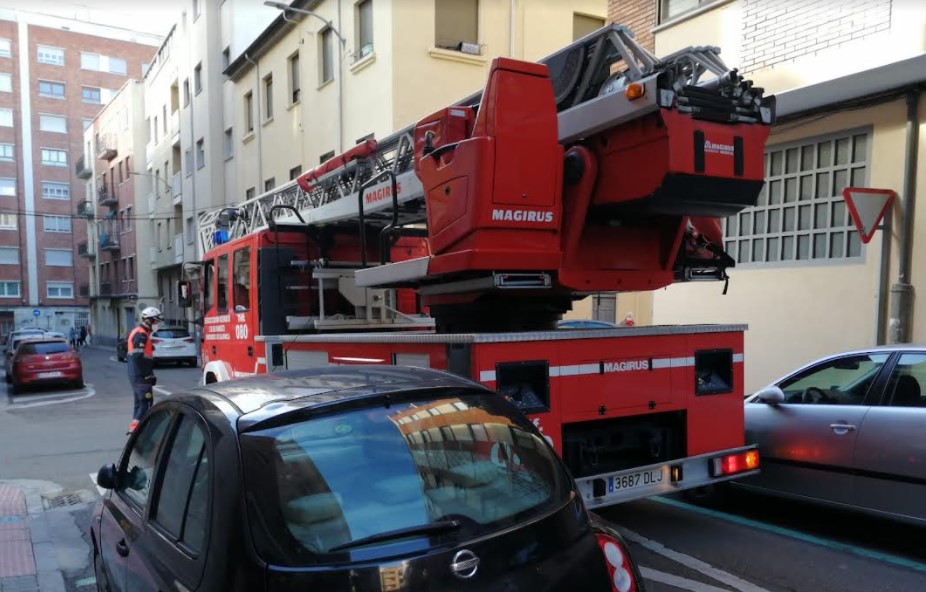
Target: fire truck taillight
(618, 564)
(735, 463)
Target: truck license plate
(634, 480)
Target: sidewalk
(28, 561)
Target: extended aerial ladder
(601, 168)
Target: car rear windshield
(171, 333)
(331, 479)
(44, 347)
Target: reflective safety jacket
(140, 354)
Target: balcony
(86, 209)
(175, 127)
(109, 242)
(106, 289)
(106, 147)
(83, 290)
(85, 249)
(82, 171)
(178, 248)
(107, 197)
(176, 189)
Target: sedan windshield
(372, 476)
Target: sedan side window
(182, 504)
(139, 468)
(843, 381)
(907, 379)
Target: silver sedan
(847, 430)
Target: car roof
(267, 395)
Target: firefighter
(141, 363)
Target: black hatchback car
(353, 478)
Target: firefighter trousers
(144, 398)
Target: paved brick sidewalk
(27, 556)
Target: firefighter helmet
(152, 314)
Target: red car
(42, 361)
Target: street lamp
(343, 42)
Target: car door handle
(842, 426)
(122, 549)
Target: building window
(6, 82)
(186, 92)
(117, 66)
(669, 9)
(190, 230)
(5, 48)
(248, 112)
(53, 123)
(59, 290)
(57, 223)
(59, 257)
(9, 255)
(583, 24)
(250, 193)
(456, 22)
(50, 55)
(268, 97)
(86, 123)
(52, 157)
(801, 215)
(200, 153)
(198, 78)
(8, 222)
(9, 289)
(6, 117)
(51, 90)
(226, 57)
(294, 84)
(7, 187)
(91, 95)
(90, 61)
(6, 153)
(229, 144)
(188, 161)
(51, 190)
(364, 16)
(326, 157)
(270, 184)
(326, 55)
(295, 172)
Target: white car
(174, 344)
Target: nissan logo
(464, 564)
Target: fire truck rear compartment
(606, 446)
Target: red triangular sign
(867, 207)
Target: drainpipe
(902, 292)
(257, 120)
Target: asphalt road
(57, 439)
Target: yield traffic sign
(867, 207)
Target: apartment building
(55, 76)
(848, 77)
(118, 283)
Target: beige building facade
(847, 77)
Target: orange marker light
(634, 90)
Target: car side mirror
(771, 395)
(107, 476)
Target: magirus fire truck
(459, 242)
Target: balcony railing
(107, 197)
(81, 169)
(86, 209)
(83, 290)
(176, 188)
(106, 289)
(85, 249)
(178, 248)
(106, 147)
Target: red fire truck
(459, 242)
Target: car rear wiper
(432, 528)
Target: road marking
(55, 400)
(693, 563)
(86, 582)
(162, 390)
(678, 581)
(795, 534)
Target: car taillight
(735, 463)
(188, 340)
(156, 340)
(618, 564)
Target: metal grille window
(801, 214)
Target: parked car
(174, 344)
(585, 324)
(45, 361)
(171, 344)
(12, 342)
(341, 478)
(846, 430)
